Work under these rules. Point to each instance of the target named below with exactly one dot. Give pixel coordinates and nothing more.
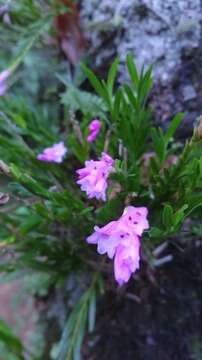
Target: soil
(166, 324)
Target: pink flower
(93, 178)
(120, 238)
(54, 153)
(3, 77)
(127, 259)
(136, 218)
(94, 129)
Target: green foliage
(84, 312)
(79, 100)
(11, 342)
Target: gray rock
(165, 33)
(155, 31)
(188, 92)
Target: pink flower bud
(94, 129)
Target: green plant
(45, 218)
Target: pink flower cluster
(3, 77)
(93, 177)
(54, 153)
(120, 240)
(94, 129)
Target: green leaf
(79, 340)
(155, 232)
(180, 215)
(145, 84)
(194, 202)
(28, 182)
(118, 165)
(10, 340)
(173, 127)
(8, 240)
(167, 216)
(197, 230)
(132, 71)
(29, 224)
(109, 210)
(72, 336)
(83, 101)
(154, 166)
(67, 198)
(41, 210)
(19, 120)
(77, 149)
(94, 81)
(30, 35)
(111, 76)
(131, 96)
(117, 104)
(158, 143)
(92, 312)
(15, 171)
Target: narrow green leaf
(173, 127)
(155, 232)
(132, 71)
(167, 216)
(93, 80)
(117, 104)
(131, 96)
(194, 202)
(19, 120)
(92, 311)
(29, 37)
(180, 215)
(29, 224)
(72, 337)
(158, 143)
(28, 182)
(111, 76)
(10, 340)
(145, 84)
(79, 339)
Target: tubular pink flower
(54, 153)
(3, 77)
(120, 239)
(94, 129)
(136, 218)
(127, 260)
(110, 236)
(93, 178)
